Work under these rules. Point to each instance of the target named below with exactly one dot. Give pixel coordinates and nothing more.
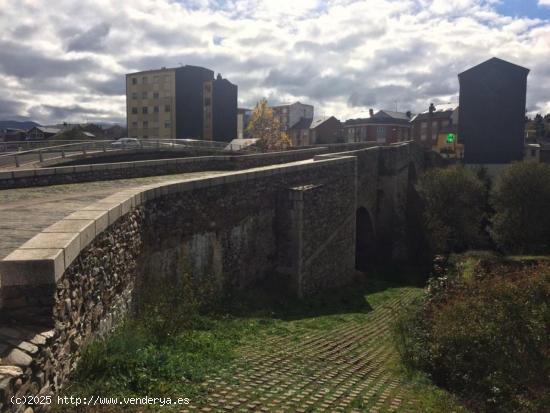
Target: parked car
(126, 143)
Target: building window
(167, 108)
(134, 125)
(156, 109)
(134, 95)
(134, 81)
(134, 111)
(167, 124)
(156, 95)
(145, 136)
(207, 87)
(144, 110)
(380, 134)
(533, 153)
(145, 124)
(207, 101)
(423, 136)
(144, 95)
(144, 79)
(156, 79)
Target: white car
(126, 143)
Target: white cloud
(544, 2)
(344, 56)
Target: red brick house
(383, 127)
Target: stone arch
(365, 241)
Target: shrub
(485, 339)
(521, 199)
(454, 208)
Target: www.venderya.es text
(94, 400)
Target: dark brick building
(383, 127)
(492, 112)
(220, 110)
(189, 100)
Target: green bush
(521, 199)
(454, 204)
(485, 339)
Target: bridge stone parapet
(108, 171)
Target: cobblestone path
(345, 367)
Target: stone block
(100, 167)
(44, 171)
(85, 227)
(18, 358)
(82, 168)
(112, 208)
(32, 267)
(23, 173)
(11, 371)
(69, 242)
(6, 175)
(64, 170)
(101, 218)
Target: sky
(66, 60)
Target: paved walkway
(26, 211)
(343, 368)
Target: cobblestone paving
(343, 368)
(26, 211)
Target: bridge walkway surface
(24, 212)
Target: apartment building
(170, 103)
(290, 114)
(151, 104)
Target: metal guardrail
(14, 158)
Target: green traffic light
(451, 138)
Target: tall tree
(265, 127)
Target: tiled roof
(391, 114)
(319, 120)
(303, 123)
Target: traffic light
(451, 137)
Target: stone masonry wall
(92, 297)
(231, 232)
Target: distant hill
(15, 124)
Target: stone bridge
(309, 217)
